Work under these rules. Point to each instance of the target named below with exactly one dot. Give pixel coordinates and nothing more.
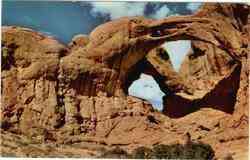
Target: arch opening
(147, 88)
(177, 51)
(146, 81)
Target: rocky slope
(77, 94)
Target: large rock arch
(217, 45)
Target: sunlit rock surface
(58, 95)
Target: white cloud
(147, 88)
(164, 11)
(193, 6)
(118, 9)
(177, 51)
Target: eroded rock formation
(78, 93)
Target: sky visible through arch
(64, 19)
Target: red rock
(79, 93)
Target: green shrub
(115, 153)
(141, 153)
(176, 151)
(198, 151)
(167, 151)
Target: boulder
(78, 41)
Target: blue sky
(64, 19)
(147, 88)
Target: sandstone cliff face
(29, 78)
(78, 93)
(214, 61)
(207, 64)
